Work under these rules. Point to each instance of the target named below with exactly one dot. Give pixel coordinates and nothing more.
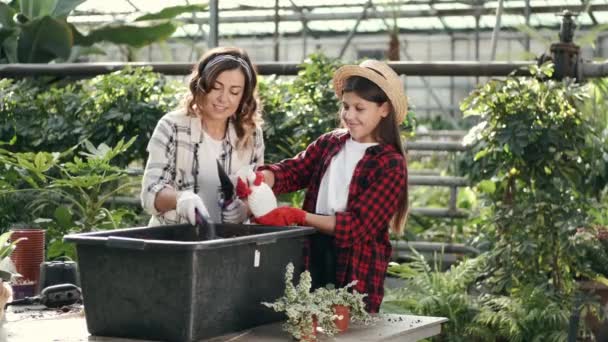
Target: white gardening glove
(235, 212)
(187, 204)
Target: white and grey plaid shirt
(173, 159)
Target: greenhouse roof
(256, 17)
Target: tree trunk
(393, 47)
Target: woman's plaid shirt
(173, 159)
(361, 238)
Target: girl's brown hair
(203, 77)
(386, 132)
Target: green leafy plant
(298, 305)
(39, 32)
(36, 116)
(299, 110)
(70, 196)
(6, 248)
(538, 160)
(430, 292)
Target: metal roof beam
(454, 12)
(434, 12)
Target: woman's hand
(188, 203)
(235, 212)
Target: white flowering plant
(302, 307)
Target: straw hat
(383, 76)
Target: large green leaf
(135, 36)
(6, 15)
(43, 40)
(172, 12)
(589, 38)
(55, 8)
(536, 35)
(5, 33)
(9, 49)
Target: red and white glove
(283, 216)
(242, 189)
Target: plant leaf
(136, 36)
(172, 12)
(55, 8)
(43, 40)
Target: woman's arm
(157, 192)
(166, 200)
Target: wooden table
(71, 327)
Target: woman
(218, 122)
(356, 181)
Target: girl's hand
(283, 216)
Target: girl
(219, 121)
(356, 181)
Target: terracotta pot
(29, 253)
(344, 311)
(311, 336)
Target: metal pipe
(589, 70)
(458, 134)
(275, 42)
(439, 212)
(425, 246)
(212, 38)
(455, 68)
(453, 198)
(435, 12)
(496, 30)
(452, 82)
(527, 12)
(449, 146)
(450, 181)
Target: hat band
(376, 71)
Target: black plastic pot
(168, 283)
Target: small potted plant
(298, 305)
(345, 303)
(319, 311)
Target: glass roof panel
(417, 10)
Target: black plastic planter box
(168, 283)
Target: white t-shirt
(210, 151)
(333, 191)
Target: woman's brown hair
(386, 132)
(203, 77)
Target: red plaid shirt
(361, 235)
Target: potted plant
(345, 303)
(309, 312)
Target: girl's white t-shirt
(335, 184)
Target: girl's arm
(294, 174)
(324, 224)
